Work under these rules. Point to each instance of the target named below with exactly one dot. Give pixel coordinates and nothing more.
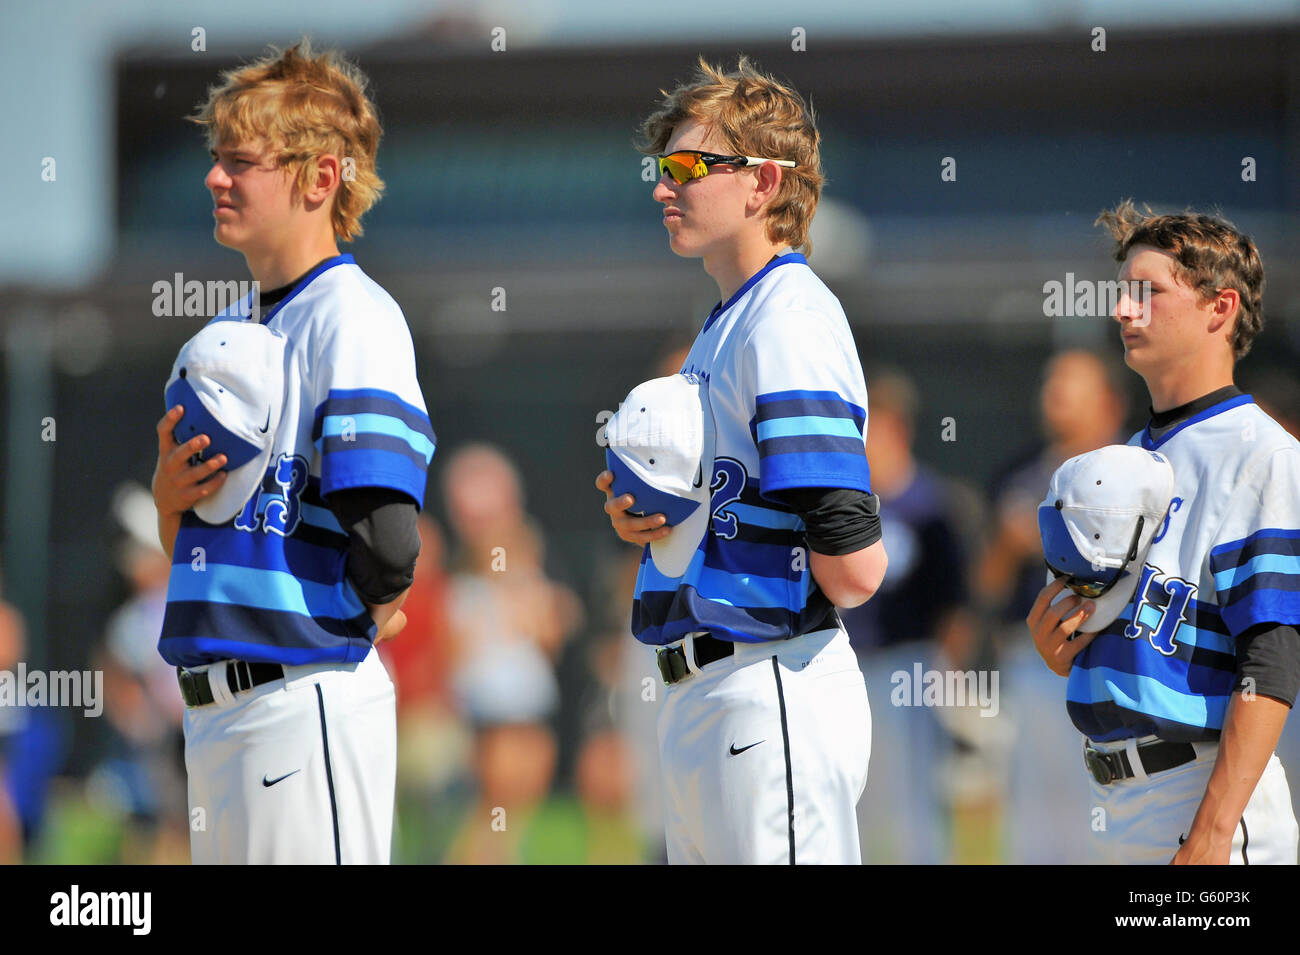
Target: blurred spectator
(433, 742)
(143, 777)
(32, 749)
(918, 616)
(1083, 407)
(508, 623)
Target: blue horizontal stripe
(371, 401)
(1264, 605)
(256, 635)
(661, 618)
(321, 517)
(783, 404)
(764, 517)
(781, 471)
(258, 551)
(748, 590)
(335, 425)
(262, 589)
(813, 444)
(807, 425)
(369, 468)
(1210, 677)
(1146, 695)
(1270, 563)
(1272, 540)
(362, 443)
(1107, 722)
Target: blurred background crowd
(519, 237)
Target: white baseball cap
(230, 378)
(1102, 511)
(660, 445)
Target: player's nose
(663, 190)
(216, 178)
(1127, 306)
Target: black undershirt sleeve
(837, 520)
(1268, 662)
(383, 540)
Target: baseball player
(282, 582)
(1183, 695)
(765, 730)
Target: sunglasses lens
(683, 167)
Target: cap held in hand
(230, 380)
(1102, 511)
(660, 447)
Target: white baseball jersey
(765, 751)
(301, 769)
(269, 586)
(1227, 559)
(790, 411)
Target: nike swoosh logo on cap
(268, 420)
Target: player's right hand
(177, 484)
(1052, 627)
(634, 530)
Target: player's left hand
(395, 625)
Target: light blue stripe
(371, 423)
(1205, 639)
(1105, 684)
(321, 517)
(265, 590)
(763, 517)
(1259, 564)
(803, 425)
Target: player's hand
(634, 530)
(178, 485)
(1052, 627)
(395, 625)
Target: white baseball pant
(1142, 820)
(765, 754)
(301, 770)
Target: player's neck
(276, 267)
(732, 268)
(1170, 388)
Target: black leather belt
(1156, 757)
(196, 688)
(672, 660)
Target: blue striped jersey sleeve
(1256, 571)
(810, 439)
(368, 437)
(809, 400)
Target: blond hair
(304, 105)
(1210, 254)
(753, 114)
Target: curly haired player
(765, 730)
(1182, 697)
(294, 541)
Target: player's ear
(1227, 304)
(329, 172)
(767, 183)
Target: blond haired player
(290, 735)
(765, 730)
